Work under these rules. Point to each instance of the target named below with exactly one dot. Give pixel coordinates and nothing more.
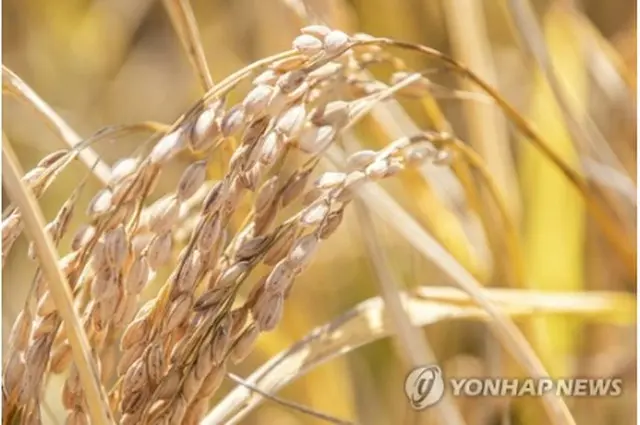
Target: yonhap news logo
(425, 386)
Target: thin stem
(184, 22)
(296, 406)
(15, 86)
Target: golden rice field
(271, 212)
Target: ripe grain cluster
(161, 361)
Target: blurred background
(100, 63)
